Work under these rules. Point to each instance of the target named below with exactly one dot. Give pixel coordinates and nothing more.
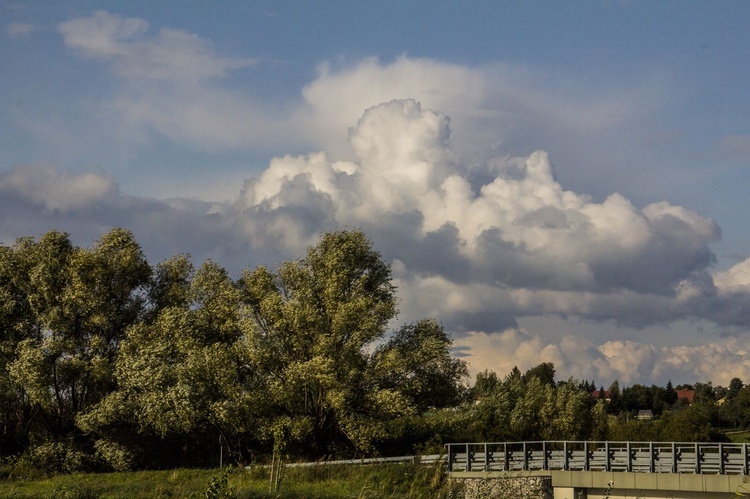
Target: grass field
(378, 481)
(739, 437)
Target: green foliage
(416, 362)
(533, 407)
(218, 487)
(51, 457)
(314, 321)
(107, 362)
(736, 410)
(544, 372)
(485, 384)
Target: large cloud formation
(495, 243)
(476, 248)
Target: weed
(218, 487)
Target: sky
(553, 182)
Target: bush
(50, 458)
(114, 454)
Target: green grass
(381, 481)
(739, 437)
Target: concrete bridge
(593, 470)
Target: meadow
(376, 481)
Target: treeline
(714, 407)
(107, 362)
(534, 406)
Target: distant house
(645, 415)
(687, 395)
(607, 395)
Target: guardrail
(427, 459)
(645, 457)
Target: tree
(82, 302)
(736, 411)
(16, 324)
(78, 305)
(637, 397)
(615, 398)
(416, 362)
(691, 424)
(532, 410)
(315, 319)
(670, 394)
(704, 393)
(568, 414)
(485, 384)
(735, 385)
(544, 372)
(185, 372)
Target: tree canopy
(106, 357)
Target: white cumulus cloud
(477, 248)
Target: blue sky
(553, 181)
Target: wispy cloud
(171, 54)
(19, 30)
(736, 147)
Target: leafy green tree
(82, 301)
(735, 385)
(690, 424)
(16, 324)
(170, 284)
(704, 393)
(736, 411)
(544, 372)
(615, 398)
(315, 319)
(492, 413)
(670, 394)
(532, 410)
(185, 372)
(485, 384)
(416, 362)
(600, 422)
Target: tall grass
(361, 482)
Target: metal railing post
(674, 457)
(652, 457)
(506, 463)
(486, 458)
(545, 463)
(745, 466)
(607, 464)
(565, 456)
(630, 457)
(585, 456)
(697, 458)
(525, 458)
(468, 458)
(450, 458)
(721, 458)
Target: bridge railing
(645, 457)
